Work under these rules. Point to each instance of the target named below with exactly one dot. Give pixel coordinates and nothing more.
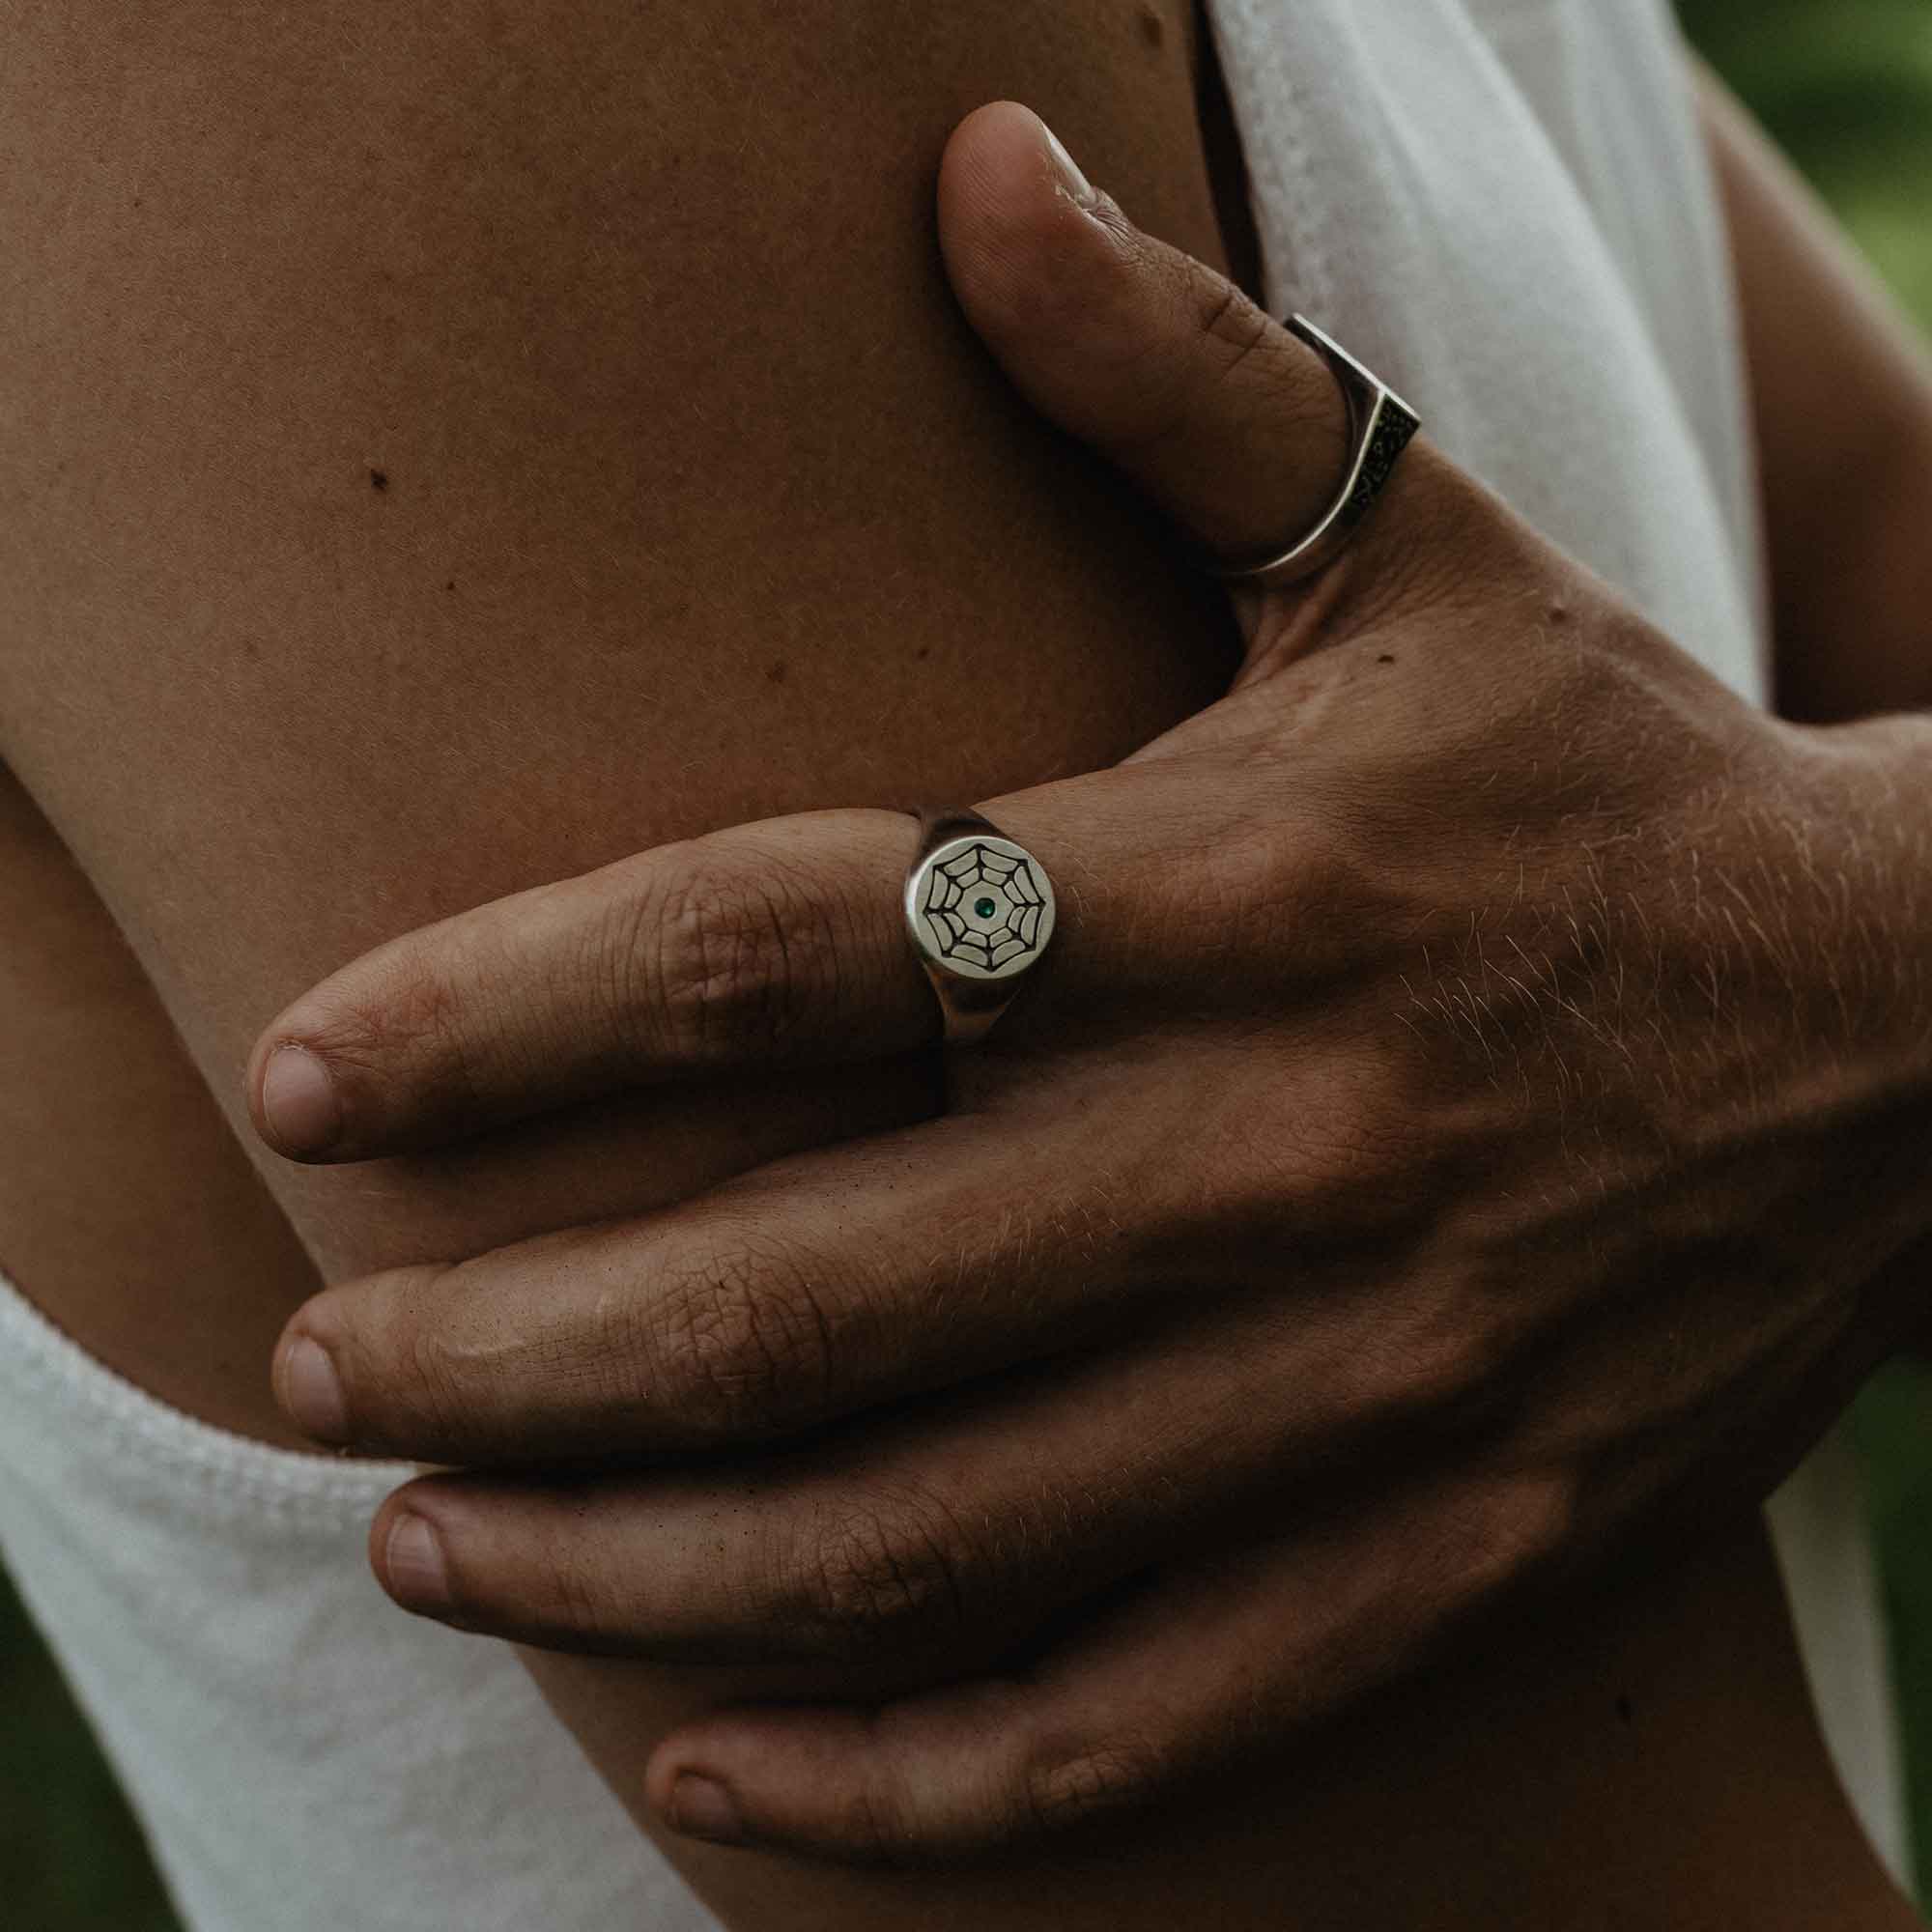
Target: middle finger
(805, 1291)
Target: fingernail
(299, 1102)
(312, 1392)
(1071, 181)
(700, 1807)
(413, 1568)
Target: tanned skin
(350, 586)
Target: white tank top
(1503, 207)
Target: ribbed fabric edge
(37, 1356)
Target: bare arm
(1842, 392)
(448, 449)
(1842, 395)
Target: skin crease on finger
(283, 881)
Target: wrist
(1865, 851)
(1866, 858)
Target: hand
(1473, 1112)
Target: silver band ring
(978, 911)
(1381, 427)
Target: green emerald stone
(985, 908)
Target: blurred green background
(1846, 86)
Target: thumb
(1235, 427)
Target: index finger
(775, 943)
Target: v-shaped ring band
(1381, 427)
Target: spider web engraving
(1009, 882)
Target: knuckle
(1300, 884)
(877, 1823)
(1224, 337)
(1361, 1158)
(1318, 1148)
(880, 1579)
(404, 1371)
(1478, 1544)
(1441, 1354)
(1518, 1531)
(1061, 1791)
(743, 1343)
(869, 1826)
(718, 956)
(1430, 1365)
(1236, 328)
(1256, 367)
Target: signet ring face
(979, 912)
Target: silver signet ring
(978, 911)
